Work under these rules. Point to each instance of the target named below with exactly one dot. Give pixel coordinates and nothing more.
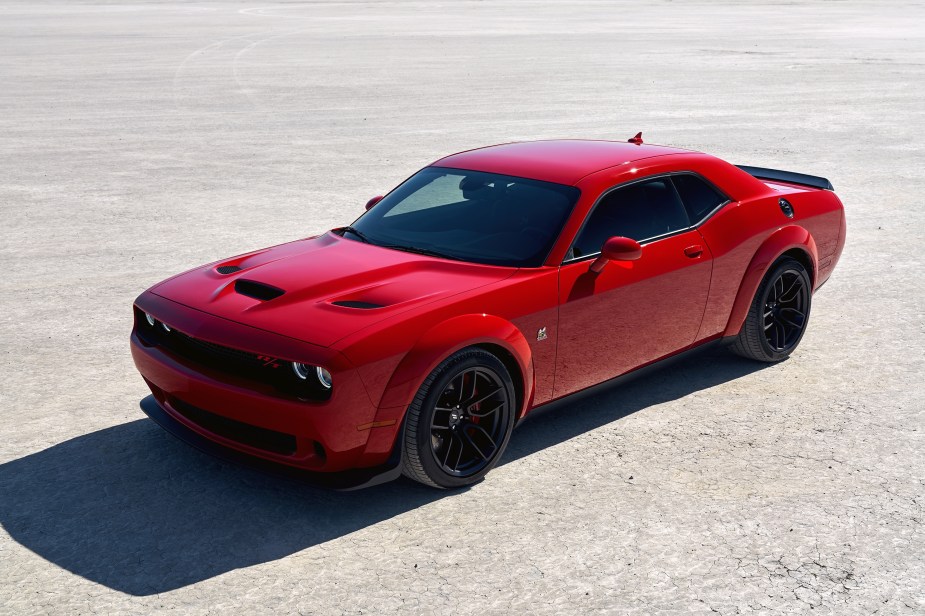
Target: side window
(699, 197)
(639, 211)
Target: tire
(454, 434)
(779, 314)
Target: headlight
(166, 327)
(301, 370)
(150, 319)
(324, 377)
(304, 371)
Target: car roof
(564, 161)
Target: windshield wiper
(420, 251)
(363, 237)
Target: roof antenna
(637, 139)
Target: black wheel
(778, 315)
(460, 421)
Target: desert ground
(140, 139)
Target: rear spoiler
(790, 177)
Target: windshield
(469, 216)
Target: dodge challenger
(489, 283)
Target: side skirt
(629, 376)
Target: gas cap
(785, 207)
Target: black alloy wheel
(469, 421)
(777, 318)
(785, 309)
(460, 421)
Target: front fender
(784, 239)
(431, 348)
(444, 339)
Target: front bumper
(246, 415)
(353, 479)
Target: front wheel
(777, 319)
(460, 421)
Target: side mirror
(617, 249)
(372, 202)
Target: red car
(487, 284)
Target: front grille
(264, 372)
(209, 352)
(238, 431)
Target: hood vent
(257, 290)
(359, 305)
(227, 269)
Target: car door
(632, 312)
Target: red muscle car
(487, 284)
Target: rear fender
(784, 239)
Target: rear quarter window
(699, 197)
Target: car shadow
(133, 509)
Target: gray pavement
(138, 139)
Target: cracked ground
(140, 139)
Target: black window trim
(654, 238)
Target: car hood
(321, 289)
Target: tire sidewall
(786, 264)
(446, 372)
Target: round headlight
(301, 370)
(166, 327)
(150, 319)
(324, 377)
(304, 371)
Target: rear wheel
(460, 421)
(779, 313)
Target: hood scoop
(357, 305)
(257, 290)
(227, 269)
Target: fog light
(150, 319)
(324, 377)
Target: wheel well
(803, 257)
(513, 368)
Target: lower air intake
(244, 433)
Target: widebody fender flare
(431, 348)
(444, 339)
(783, 240)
